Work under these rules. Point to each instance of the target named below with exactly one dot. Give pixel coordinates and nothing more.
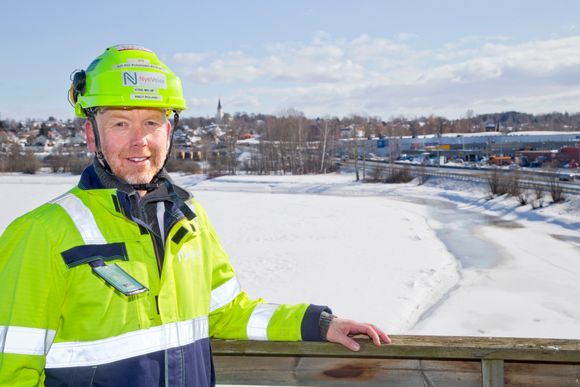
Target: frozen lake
(412, 259)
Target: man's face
(134, 142)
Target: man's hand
(341, 330)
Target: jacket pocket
(88, 253)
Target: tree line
(287, 142)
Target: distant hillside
(311, 127)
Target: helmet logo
(144, 79)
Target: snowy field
(437, 259)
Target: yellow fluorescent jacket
(57, 316)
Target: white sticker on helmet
(123, 47)
(144, 79)
(138, 62)
(147, 97)
(144, 90)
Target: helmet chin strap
(91, 113)
(174, 126)
(153, 184)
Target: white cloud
(190, 58)
(405, 36)
(229, 67)
(540, 103)
(243, 101)
(199, 102)
(339, 76)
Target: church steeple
(220, 113)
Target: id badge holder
(118, 278)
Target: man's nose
(138, 135)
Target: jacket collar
(96, 177)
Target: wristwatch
(325, 320)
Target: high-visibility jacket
(61, 324)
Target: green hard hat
(126, 76)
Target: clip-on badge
(118, 278)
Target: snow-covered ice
(440, 258)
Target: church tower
(220, 114)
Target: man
(122, 280)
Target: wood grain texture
(430, 361)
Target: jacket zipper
(156, 251)
(158, 254)
(156, 246)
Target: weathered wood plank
(492, 373)
(424, 347)
(291, 371)
(541, 375)
(296, 371)
(408, 361)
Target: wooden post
(492, 373)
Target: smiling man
(134, 142)
(122, 280)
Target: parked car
(565, 176)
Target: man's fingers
(372, 333)
(383, 337)
(340, 331)
(350, 344)
(375, 334)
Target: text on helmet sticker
(132, 63)
(147, 97)
(144, 79)
(144, 90)
(123, 47)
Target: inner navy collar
(93, 179)
(90, 180)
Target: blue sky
(378, 58)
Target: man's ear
(91, 145)
(168, 134)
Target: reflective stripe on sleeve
(25, 341)
(224, 294)
(127, 345)
(82, 217)
(257, 328)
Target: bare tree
(231, 141)
(555, 189)
(421, 174)
(19, 161)
(539, 191)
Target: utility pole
(354, 137)
(322, 169)
(300, 147)
(364, 157)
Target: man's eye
(120, 124)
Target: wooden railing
(431, 361)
